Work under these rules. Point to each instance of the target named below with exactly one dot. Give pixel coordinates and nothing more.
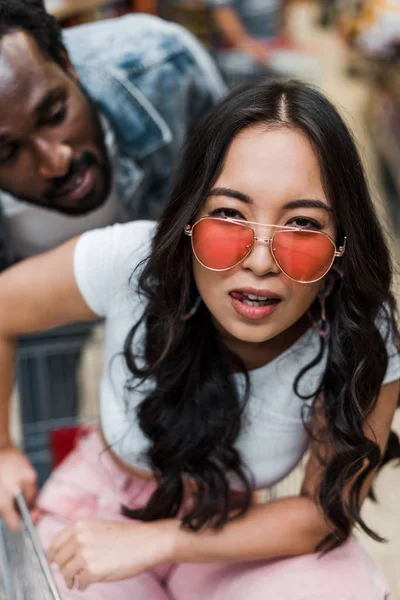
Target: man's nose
(260, 260)
(54, 158)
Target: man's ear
(69, 66)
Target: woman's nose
(260, 260)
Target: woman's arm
(288, 526)
(285, 527)
(35, 295)
(40, 293)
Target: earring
(320, 326)
(193, 310)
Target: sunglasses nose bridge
(261, 261)
(263, 240)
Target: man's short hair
(31, 17)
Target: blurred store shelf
(88, 10)
(64, 9)
(195, 17)
(383, 118)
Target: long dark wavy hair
(194, 414)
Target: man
(91, 128)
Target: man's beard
(79, 165)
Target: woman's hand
(99, 550)
(16, 474)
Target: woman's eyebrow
(221, 191)
(301, 203)
(307, 204)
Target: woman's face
(267, 177)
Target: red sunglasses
(304, 255)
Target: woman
(258, 322)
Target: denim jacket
(154, 81)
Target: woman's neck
(255, 355)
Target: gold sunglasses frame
(338, 251)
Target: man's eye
(8, 153)
(226, 213)
(57, 116)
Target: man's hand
(98, 550)
(16, 474)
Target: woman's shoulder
(119, 243)
(106, 259)
(131, 235)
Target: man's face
(52, 149)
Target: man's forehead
(25, 75)
(22, 64)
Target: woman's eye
(226, 213)
(305, 223)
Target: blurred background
(349, 48)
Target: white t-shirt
(34, 230)
(273, 438)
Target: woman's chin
(252, 333)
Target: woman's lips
(254, 304)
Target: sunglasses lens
(303, 255)
(219, 244)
